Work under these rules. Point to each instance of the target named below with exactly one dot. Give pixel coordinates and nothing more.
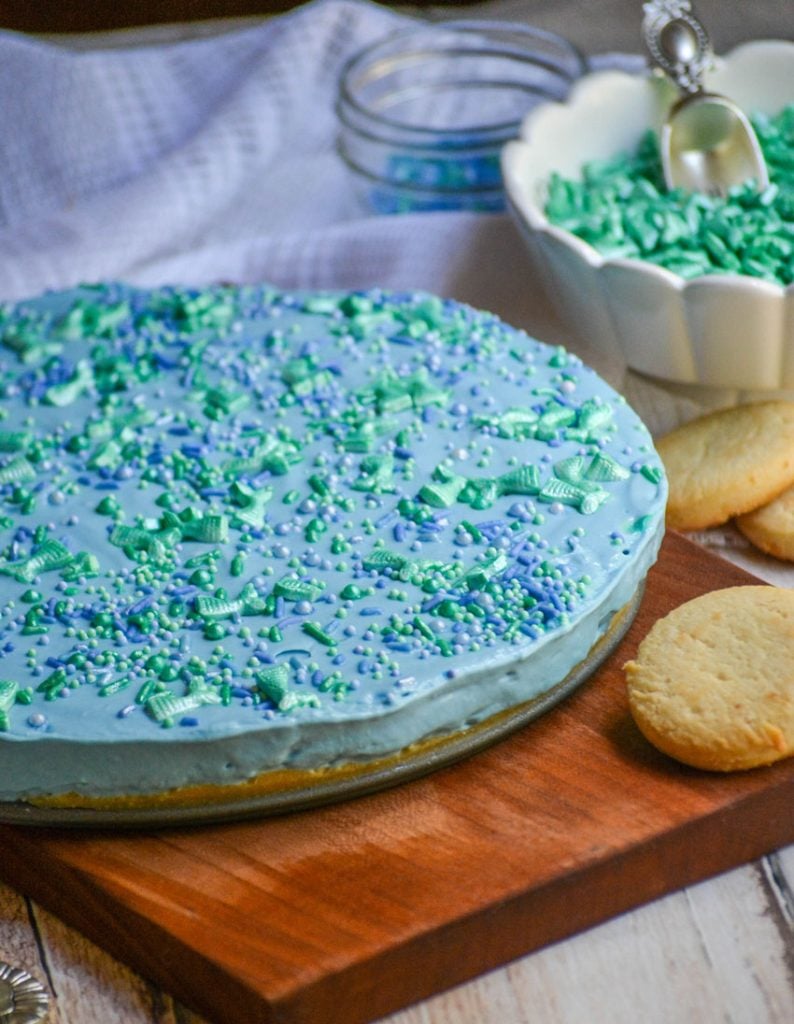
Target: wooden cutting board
(350, 912)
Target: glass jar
(424, 112)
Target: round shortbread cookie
(727, 463)
(712, 684)
(771, 527)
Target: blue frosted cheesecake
(251, 538)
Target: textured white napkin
(213, 159)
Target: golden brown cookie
(771, 527)
(727, 463)
(713, 682)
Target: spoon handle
(677, 42)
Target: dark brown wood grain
(352, 911)
(51, 16)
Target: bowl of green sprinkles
(689, 289)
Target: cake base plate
(383, 775)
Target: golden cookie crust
(728, 463)
(771, 527)
(712, 684)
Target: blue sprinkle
(530, 630)
(371, 611)
(387, 518)
(188, 720)
(193, 451)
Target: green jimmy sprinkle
(621, 207)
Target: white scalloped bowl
(723, 331)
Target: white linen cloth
(213, 159)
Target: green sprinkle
(655, 474)
(381, 559)
(148, 690)
(273, 682)
(69, 391)
(8, 697)
(53, 684)
(114, 686)
(215, 608)
(164, 707)
(108, 506)
(292, 589)
(421, 627)
(472, 530)
(49, 556)
(14, 440)
(622, 208)
(17, 471)
(316, 632)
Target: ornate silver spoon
(707, 143)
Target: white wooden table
(721, 952)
